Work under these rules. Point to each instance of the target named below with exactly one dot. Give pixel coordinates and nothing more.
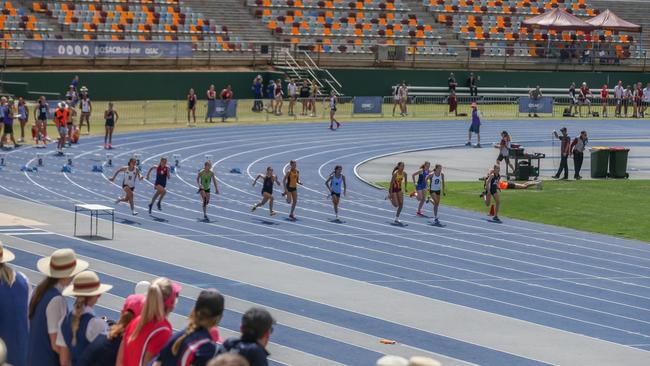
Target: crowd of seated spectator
(39, 328)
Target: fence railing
(168, 112)
(255, 52)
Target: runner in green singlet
(203, 180)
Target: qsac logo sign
(367, 105)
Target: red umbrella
(610, 21)
(558, 19)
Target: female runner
(291, 181)
(336, 185)
(212, 103)
(436, 186)
(131, 173)
(191, 106)
(492, 188)
(504, 149)
(333, 102)
(41, 112)
(267, 189)
(23, 115)
(203, 180)
(395, 190)
(162, 174)
(421, 185)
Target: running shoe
(292, 218)
(150, 206)
(468, 143)
(159, 206)
(205, 217)
(338, 125)
(272, 213)
(134, 212)
(496, 219)
(419, 213)
(254, 208)
(436, 221)
(397, 222)
(478, 146)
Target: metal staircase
(302, 67)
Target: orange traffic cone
(492, 210)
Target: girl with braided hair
(80, 327)
(195, 345)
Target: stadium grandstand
(429, 31)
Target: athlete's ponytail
(397, 166)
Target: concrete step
(236, 16)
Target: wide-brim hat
(389, 360)
(423, 361)
(6, 255)
(86, 283)
(63, 263)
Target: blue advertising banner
(542, 105)
(217, 108)
(367, 105)
(106, 49)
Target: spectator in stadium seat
(451, 82)
(535, 96)
(619, 91)
(14, 299)
(453, 103)
(80, 327)
(103, 350)
(229, 359)
(586, 56)
(472, 83)
(226, 96)
(48, 307)
(195, 343)
(257, 87)
(147, 334)
(256, 329)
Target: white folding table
(95, 211)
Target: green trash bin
(618, 162)
(599, 161)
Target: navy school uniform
(14, 327)
(40, 347)
(197, 349)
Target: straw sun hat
(5, 255)
(63, 263)
(86, 283)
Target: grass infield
(613, 207)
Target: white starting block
(68, 158)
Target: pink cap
(171, 300)
(134, 303)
